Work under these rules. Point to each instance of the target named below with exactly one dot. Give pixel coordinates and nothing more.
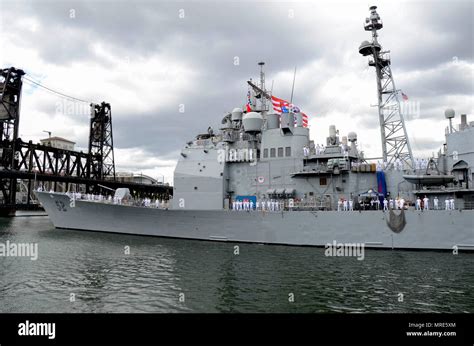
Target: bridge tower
(101, 143)
(10, 94)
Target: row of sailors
(420, 204)
(246, 205)
(92, 197)
(146, 202)
(344, 204)
(425, 203)
(318, 149)
(397, 165)
(420, 164)
(398, 203)
(348, 205)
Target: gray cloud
(423, 37)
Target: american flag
(305, 119)
(404, 97)
(279, 106)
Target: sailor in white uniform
(379, 165)
(351, 205)
(418, 203)
(426, 203)
(424, 164)
(346, 205)
(385, 204)
(305, 151)
(447, 203)
(435, 203)
(418, 164)
(398, 164)
(451, 203)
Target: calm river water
(80, 271)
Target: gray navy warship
(261, 179)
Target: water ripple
(93, 272)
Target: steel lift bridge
(33, 164)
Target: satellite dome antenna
(395, 143)
(449, 114)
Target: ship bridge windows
(277, 152)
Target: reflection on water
(170, 275)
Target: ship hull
(440, 230)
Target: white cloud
(139, 161)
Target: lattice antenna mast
(395, 143)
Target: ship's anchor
(396, 222)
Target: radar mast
(395, 143)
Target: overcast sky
(148, 58)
